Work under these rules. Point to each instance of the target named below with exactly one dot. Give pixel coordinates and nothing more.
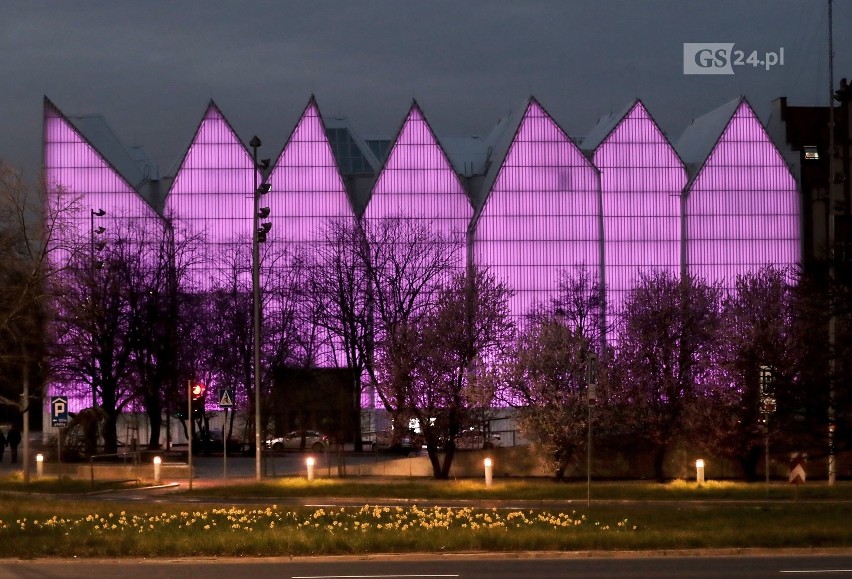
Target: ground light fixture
(157, 464)
(488, 464)
(310, 462)
(699, 471)
(39, 465)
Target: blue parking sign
(58, 411)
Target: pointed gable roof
(215, 147)
(614, 129)
(307, 164)
(605, 125)
(79, 152)
(507, 139)
(701, 136)
(416, 132)
(716, 127)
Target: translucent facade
(81, 184)
(307, 190)
(307, 193)
(537, 206)
(542, 213)
(641, 182)
(742, 206)
(418, 182)
(211, 196)
(79, 177)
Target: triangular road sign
(226, 397)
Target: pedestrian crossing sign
(226, 397)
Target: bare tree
(407, 263)
(98, 319)
(338, 294)
(31, 238)
(468, 329)
(666, 357)
(167, 319)
(547, 377)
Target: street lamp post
(591, 384)
(258, 234)
(767, 406)
(95, 265)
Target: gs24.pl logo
(721, 58)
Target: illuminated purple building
(528, 200)
(418, 182)
(641, 182)
(539, 209)
(211, 197)
(307, 193)
(742, 207)
(95, 196)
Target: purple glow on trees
(541, 214)
(742, 209)
(211, 193)
(418, 182)
(641, 182)
(73, 168)
(307, 194)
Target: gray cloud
(150, 67)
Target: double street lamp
(259, 232)
(95, 265)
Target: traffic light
(198, 392)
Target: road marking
(819, 571)
(363, 576)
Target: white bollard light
(489, 471)
(699, 471)
(39, 465)
(310, 462)
(157, 464)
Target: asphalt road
(483, 566)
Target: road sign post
(226, 402)
(58, 411)
(797, 470)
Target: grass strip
(61, 528)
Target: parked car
(405, 441)
(315, 441)
(476, 440)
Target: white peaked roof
(699, 138)
(497, 145)
(604, 127)
(131, 163)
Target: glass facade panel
(743, 208)
(211, 197)
(641, 183)
(542, 213)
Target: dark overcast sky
(150, 67)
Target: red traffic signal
(198, 390)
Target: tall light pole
(95, 265)
(591, 384)
(767, 407)
(258, 234)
